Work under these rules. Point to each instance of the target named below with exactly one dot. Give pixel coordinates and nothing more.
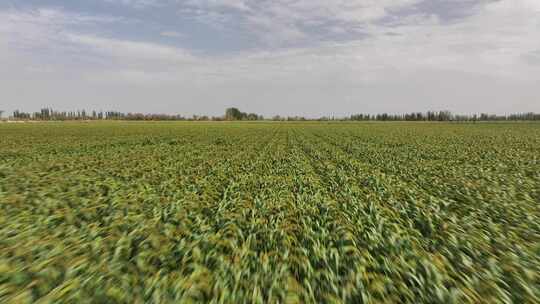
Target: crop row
(269, 213)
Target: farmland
(117, 212)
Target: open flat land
(117, 212)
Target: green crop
(118, 212)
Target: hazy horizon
(306, 58)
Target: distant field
(119, 212)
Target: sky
(289, 57)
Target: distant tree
(233, 114)
(252, 116)
(1, 113)
(236, 114)
(445, 116)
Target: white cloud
(281, 22)
(131, 50)
(139, 4)
(43, 28)
(241, 5)
(172, 34)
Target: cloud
(486, 59)
(532, 57)
(496, 38)
(280, 22)
(138, 4)
(240, 5)
(172, 34)
(126, 50)
(44, 28)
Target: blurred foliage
(269, 213)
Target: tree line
(48, 114)
(234, 114)
(445, 116)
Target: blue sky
(289, 57)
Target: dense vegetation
(117, 212)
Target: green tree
(233, 114)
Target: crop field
(117, 212)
